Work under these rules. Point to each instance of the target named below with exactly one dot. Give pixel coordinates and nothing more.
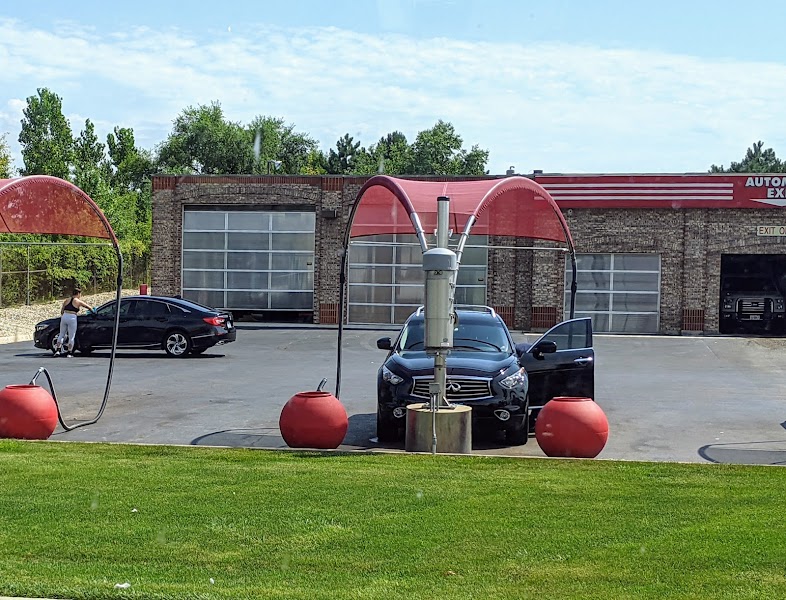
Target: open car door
(568, 371)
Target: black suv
(505, 384)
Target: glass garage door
(249, 260)
(620, 292)
(386, 276)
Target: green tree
(89, 172)
(130, 167)
(6, 170)
(46, 140)
(391, 154)
(757, 160)
(273, 140)
(316, 163)
(438, 151)
(203, 141)
(343, 159)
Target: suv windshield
(748, 284)
(481, 336)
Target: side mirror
(384, 343)
(543, 347)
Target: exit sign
(772, 230)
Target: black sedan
(177, 326)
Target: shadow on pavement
(746, 453)
(361, 435)
(122, 354)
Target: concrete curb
(10, 339)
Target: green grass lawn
(193, 522)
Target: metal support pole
(28, 276)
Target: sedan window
(108, 309)
(151, 309)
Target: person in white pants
(68, 313)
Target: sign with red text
(666, 191)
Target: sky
(562, 86)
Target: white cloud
(559, 107)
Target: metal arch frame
(418, 230)
(114, 242)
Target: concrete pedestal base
(453, 425)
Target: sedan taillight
(217, 321)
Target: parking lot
(693, 399)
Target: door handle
(583, 360)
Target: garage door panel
(635, 323)
(203, 260)
(206, 297)
(203, 279)
(369, 313)
(291, 281)
(593, 262)
(371, 275)
(637, 262)
(252, 261)
(241, 299)
(204, 220)
(247, 280)
(247, 241)
(370, 294)
(204, 240)
(371, 254)
(471, 295)
(589, 301)
(394, 262)
(413, 275)
(249, 220)
(292, 241)
(291, 301)
(635, 302)
(235, 266)
(636, 281)
(285, 261)
(408, 294)
(593, 281)
(471, 275)
(620, 292)
(293, 221)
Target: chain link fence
(39, 272)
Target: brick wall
(528, 285)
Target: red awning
(48, 205)
(514, 206)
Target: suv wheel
(387, 428)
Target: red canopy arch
(41, 204)
(513, 206)
(48, 205)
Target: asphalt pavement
(690, 399)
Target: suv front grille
(754, 306)
(458, 390)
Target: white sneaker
(57, 353)
(69, 355)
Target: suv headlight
(390, 377)
(40, 327)
(518, 379)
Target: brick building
(653, 250)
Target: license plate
(754, 317)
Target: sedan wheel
(177, 344)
